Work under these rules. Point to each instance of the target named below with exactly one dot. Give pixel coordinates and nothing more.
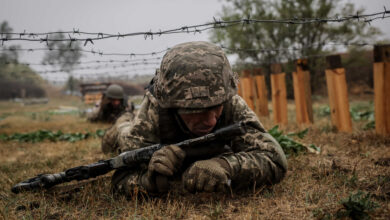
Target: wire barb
(150, 33)
(88, 40)
(76, 31)
(71, 40)
(45, 40)
(2, 40)
(22, 34)
(385, 12)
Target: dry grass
(312, 189)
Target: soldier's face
(202, 123)
(115, 102)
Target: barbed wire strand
(156, 64)
(81, 62)
(98, 52)
(111, 73)
(145, 60)
(216, 24)
(222, 46)
(308, 46)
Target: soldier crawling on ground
(113, 104)
(193, 94)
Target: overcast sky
(125, 16)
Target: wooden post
(382, 88)
(248, 89)
(239, 89)
(302, 93)
(261, 94)
(338, 94)
(279, 94)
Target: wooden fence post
(302, 93)
(382, 88)
(279, 94)
(261, 93)
(239, 88)
(248, 89)
(338, 94)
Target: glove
(211, 175)
(163, 164)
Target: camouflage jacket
(254, 158)
(109, 140)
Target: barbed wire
(360, 44)
(113, 74)
(98, 52)
(307, 46)
(123, 77)
(303, 49)
(90, 37)
(81, 62)
(114, 67)
(137, 62)
(156, 64)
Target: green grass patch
(357, 206)
(42, 135)
(288, 144)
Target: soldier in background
(113, 104)
(114, 109)
(193, 94)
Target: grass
(42, 135)
(317, 186)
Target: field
(350, 175)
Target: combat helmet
(194, 75)
(115, 91)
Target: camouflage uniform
(107, 113)
(109, 140)
(254, 158)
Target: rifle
(126, 159)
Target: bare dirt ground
(314, 186)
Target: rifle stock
(126, 159)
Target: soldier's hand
(163, 164)
(211, 175)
